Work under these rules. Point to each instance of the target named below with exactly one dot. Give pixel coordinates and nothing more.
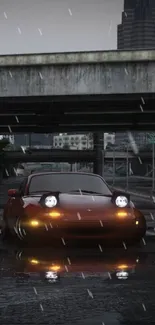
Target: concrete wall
(112, 72)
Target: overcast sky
(31, 26)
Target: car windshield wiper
(85, 191)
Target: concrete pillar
(98, 147)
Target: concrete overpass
(85, 91)
(57, 155)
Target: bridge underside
(77, 113)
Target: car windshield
(65, 183)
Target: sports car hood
(76, 205)
(75, 201)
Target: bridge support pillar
(98, 147)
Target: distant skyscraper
(137, 30)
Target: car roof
(61, 173)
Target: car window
(64, 182)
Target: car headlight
(51, 201)
(121, 201)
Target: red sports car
(70, 206)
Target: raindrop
(41, 76)
(126, 71)
(10, 74)
(109, 275)
(40, 31)
(101, 223)
(82, 274)
(70, 11)
(90, 293)
(9, 129)
(144, 307)
(144, 242)
(7, 173)
(16, 117)
(110, 28)
(63, 241)
(41, 307)
(100, 248)
(35, 291)
(23, 149)
(124, 245)
(19, 30)
(143, 101)
(78, 215)
(69, 261)
(5, 15)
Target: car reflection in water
(33, 264)
(122, 275)
(51, 276)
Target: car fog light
(35, 262)
(55, 214)
(34, 223)
(122, 214)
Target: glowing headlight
(50, 201)
(121, 201)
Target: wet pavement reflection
(97, 285)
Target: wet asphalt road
(88, 291)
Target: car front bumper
(87, 230)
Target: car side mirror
(13, 193)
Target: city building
(80, 141)
(72, 141)
(137, 30)
(62, 141)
